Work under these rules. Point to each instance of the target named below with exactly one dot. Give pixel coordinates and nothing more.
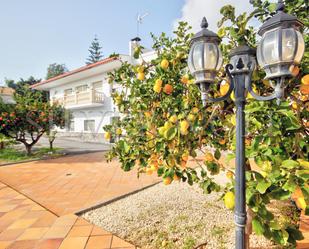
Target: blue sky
(36, 33)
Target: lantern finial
(204, 24)
(280, 6)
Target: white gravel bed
(177, 216)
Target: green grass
(10, 154)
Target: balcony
(90, 98)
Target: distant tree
(55, 69)
(18, 86)
(95, 52)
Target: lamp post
(279, 53)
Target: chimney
(133, 44)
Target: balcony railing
(81, 98)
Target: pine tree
(95, 52)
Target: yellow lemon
(233, 96)
(230, 174)
(176, 177)
(107, 135)
(184, 125)
(209, 157)
(195, 110)
(301, 203)
(185, 156)
(147, 114)
(229, 200)
(224, 87)
(149, 171)
(118, 100)
(173, 119)
(141, 76)
(305, 80)
(167, 180)
(304, 89)
(294, 105)
(140, 69)
(118, 131)
(222, 141)
(164, 64)
(184, 79)
(191, 117)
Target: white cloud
(194, 10)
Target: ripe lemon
(301, 203)
(118, 100)
(141, 76)
(184, 125)
(168, 89)
(176, 177)
(195, 110)
(149, 171)
(224, 87)
(304, 89)
(154, 166)
(184, 79)
(222, 141)
(294, 105)
(305, 80)
(209, 157)
(118, 131)
(191, 117)
(230, 174)
(185, 156)
(147, 114)
(164, 64)
(140, 69)
(233, 120)
(183, 164)
(232, 96)
(229, 200)
(173, 119)
(107, 135)
(167, 180)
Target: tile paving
(38, 201)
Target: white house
(86, 93)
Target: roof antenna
(139, 20)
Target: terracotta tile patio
(38, 201)
(69, 184)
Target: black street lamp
(279, 52)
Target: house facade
(86, 94)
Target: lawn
(12, 154)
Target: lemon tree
(163, 124)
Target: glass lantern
(205, 58)
(282, 45)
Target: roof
(78, 70)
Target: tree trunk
(28, 149)
(51, 145)
(1, 145)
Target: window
(71, 125)
(89, 125)
(82, 88)
(68, 91)
(97, 85)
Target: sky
(36, 33)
